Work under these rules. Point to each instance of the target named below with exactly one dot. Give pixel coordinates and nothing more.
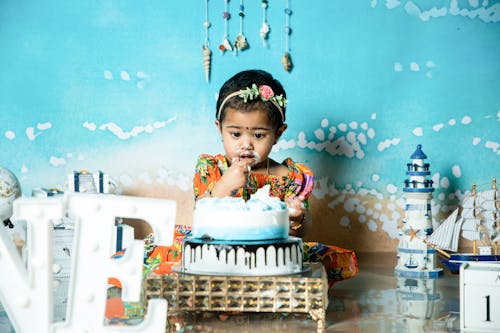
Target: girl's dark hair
(243, 80)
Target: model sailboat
(477, 220)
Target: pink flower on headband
(266, 92)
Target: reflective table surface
(375, 301)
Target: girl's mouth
(249, 155)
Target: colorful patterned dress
(340, 263)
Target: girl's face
(248, 135)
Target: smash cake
(231, 236)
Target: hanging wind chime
(225, 44)
(207, 53)
(264, 28)
(286, 60)
(241, 43)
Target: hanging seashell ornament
(286, 60)
(241, 42)
(225, 46)
(207, 61)
(264, 31)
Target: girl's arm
(300, 216)
(210, 181)
(235, 177)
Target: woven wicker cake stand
(298, 293)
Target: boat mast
(438, 250)
(474, 242)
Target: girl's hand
(235, 177)
(300, 219)
(296, 207)
(237, 174)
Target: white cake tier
(278, 257)
(235, 219)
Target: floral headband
(265, 93)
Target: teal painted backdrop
(119, 86)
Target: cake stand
(306, 292)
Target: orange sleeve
(301, 180)
(207, 173)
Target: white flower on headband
(265, 93)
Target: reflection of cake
(231, 236)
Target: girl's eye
(235, 134)
(259, 135)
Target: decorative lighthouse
(415, 258)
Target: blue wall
(119, 86)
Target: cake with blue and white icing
(234, 237)
(234, 219)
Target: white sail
(489, 205)
(488, 195)
(486, 202)
(489, 216)
(479, 217)
(444, 235)
(470, 229)
(456, 235)
(495, 232)
(472, 235)
(468, 202)
(471, 224)
(490, 226)
(468, 213)
(489, 220)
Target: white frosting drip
(270, 259)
